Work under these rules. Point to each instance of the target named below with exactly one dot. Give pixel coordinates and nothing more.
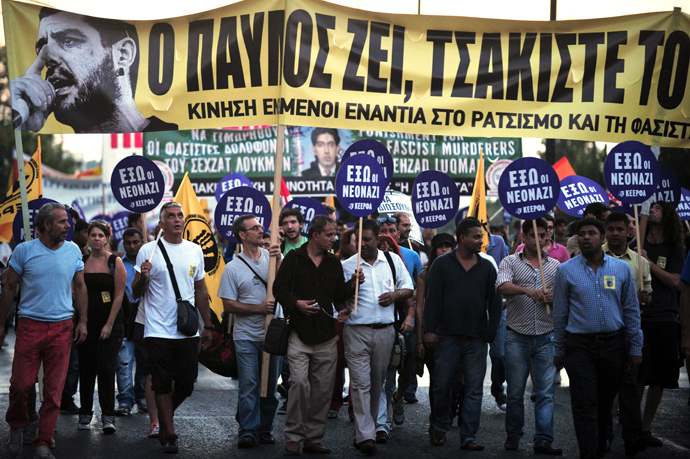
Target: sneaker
(154, 429)
(43, 452)
(171, 446)
(246, 442)
(381, 436)
(265, 438)
(123, 410)
(411, 399)
(14, 442)
(651, 439)
(283, 408)
(31, 431)
(108, 424)
(438, 438)
(501, 402)
(398, 411)
(69, 407)
(142, 407)
(84, 422)
(512, 443)
(546, 448)
(332, 414)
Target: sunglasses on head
(388, 218)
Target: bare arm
(119, 291)
(140, 283)
(509, 289)
(81, 303)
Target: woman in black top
(105, 278)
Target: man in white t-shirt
(173, 356)
(243, 290)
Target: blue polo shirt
(129, 267)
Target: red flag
(563, 168)
(285, 196)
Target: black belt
(600, 337)
(376, 326)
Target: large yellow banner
(311, 63)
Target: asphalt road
(207, 429)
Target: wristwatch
(208, 327)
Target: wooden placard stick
(359, 259)
(277, 179)
(638, 231)
(541, 266)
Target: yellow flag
(478, 202)
(13, 200)
(198, 231)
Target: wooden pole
(21, 172)
(541, 266)
(277, 179)
(359, 259)
(639, 245)
(687, 223)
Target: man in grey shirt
(243, 290)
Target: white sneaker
(108, 424)
(84, 422)
(43, 452)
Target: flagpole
(541, 266)
(277, 179)
(21, 172)
(640, 242)
(359, 260)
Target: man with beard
(48, 270)
(92, 67)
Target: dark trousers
(72, 379)
(98, 359)
(595, 369)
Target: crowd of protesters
(553, 296)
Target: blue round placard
(310, 208)
(579, 192)
(375, 149)
(529, 188)
(34, 206)
(118, 224)
(137, 184)
(631, 172)
(240, 201)
(435, 199)
(669, 187)
(229, 182)
(683, 208)
(360, 185)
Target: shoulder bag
(187, 316)
(278, 331)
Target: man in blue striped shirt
(596, 326)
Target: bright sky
(89, 145)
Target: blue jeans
(519, 350)
(125, 386)
(469, 354)
(255, 414)
(498, 365)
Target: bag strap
(252, 270)
(111, 263)
(396, 310)
(170, 270)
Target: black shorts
(173, 360)
(660, 355)
(141, 354)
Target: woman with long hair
(348, 245)
(105, 278)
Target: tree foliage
(585, 157)
(52, 152)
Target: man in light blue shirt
(596, 326)
(47, 269)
